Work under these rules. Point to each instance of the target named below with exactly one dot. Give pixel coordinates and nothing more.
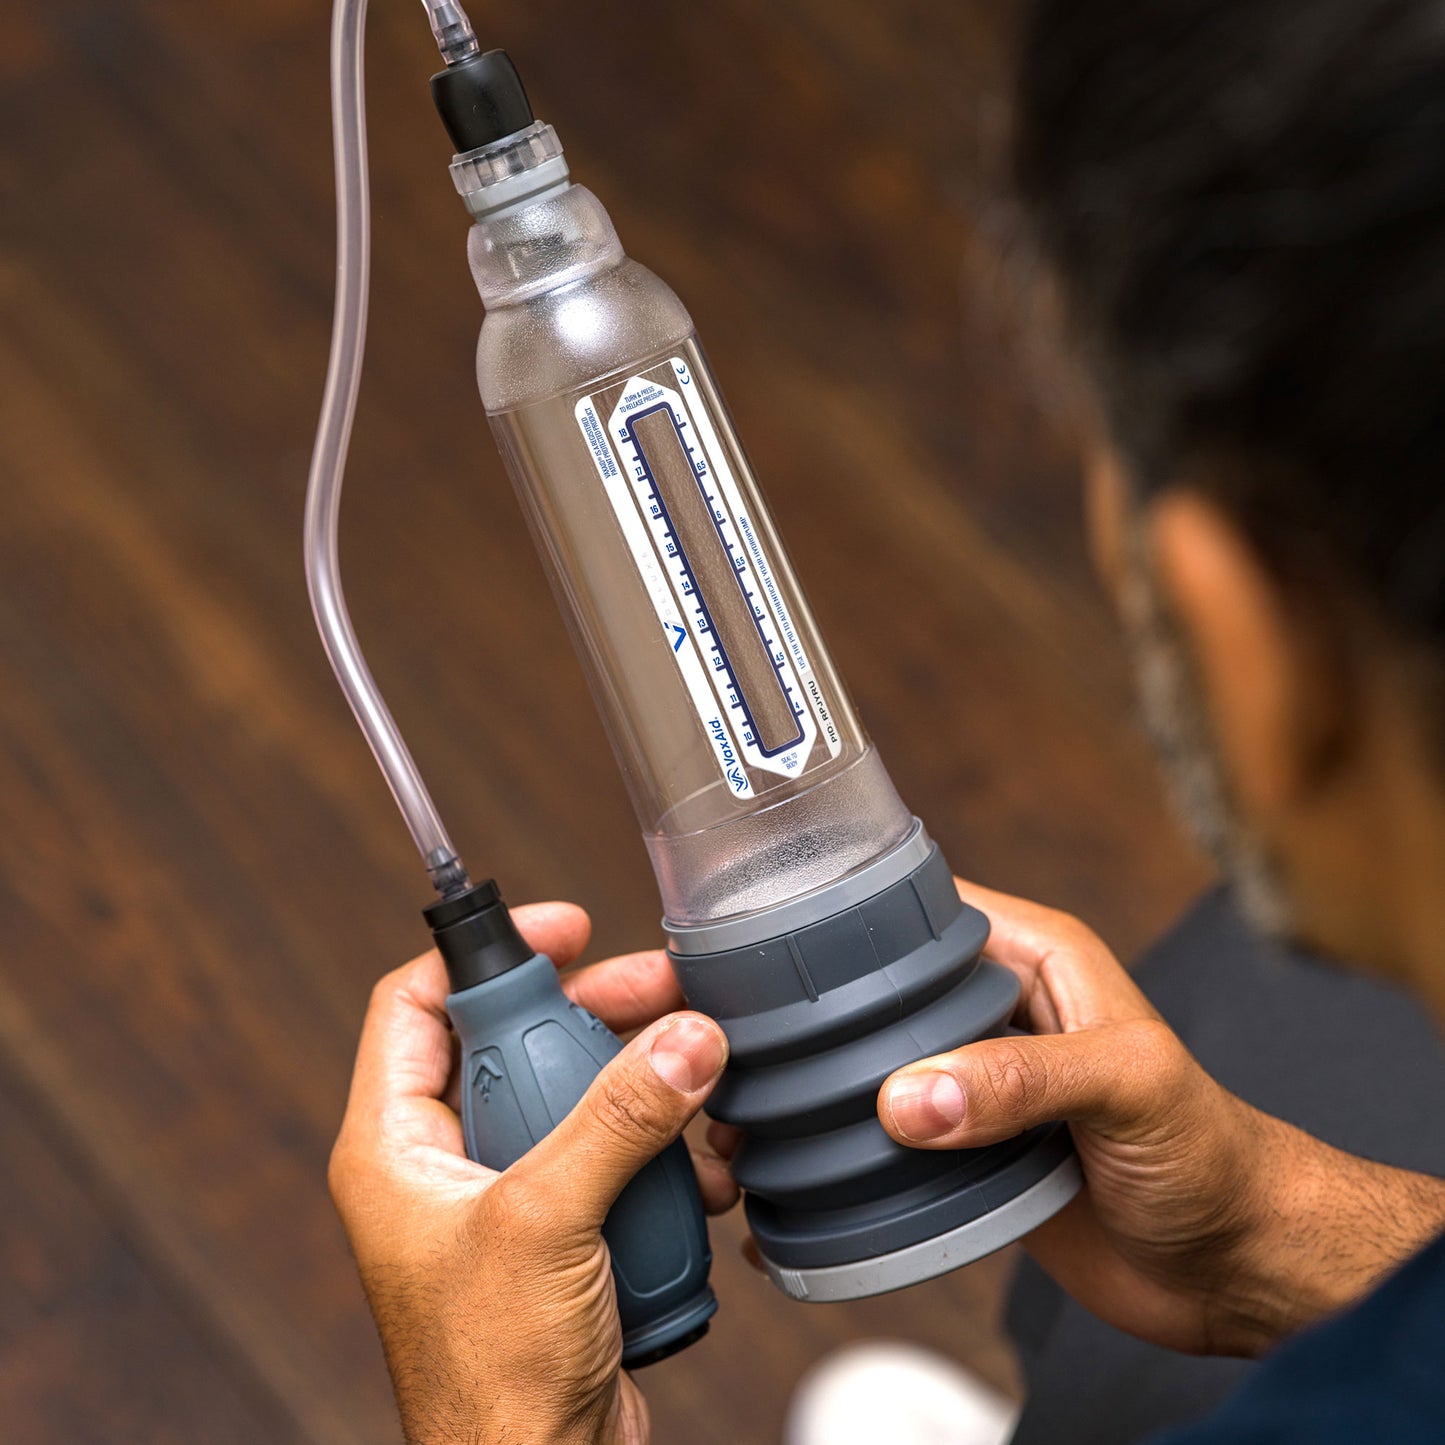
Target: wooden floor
(201, 873)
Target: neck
(1419, 896)
(1366, 864)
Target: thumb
(631, 1112)
(1117, 1080)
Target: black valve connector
(476, 936)
(481, 100)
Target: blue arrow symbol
(681, 633)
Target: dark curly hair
(1244, 202)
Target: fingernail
(924, 1106)
(688, 1054)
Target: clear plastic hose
(451, 30)
(333, 437)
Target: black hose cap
(476, 936)
(481, 100)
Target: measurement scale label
(699, 556)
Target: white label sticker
(703, 564)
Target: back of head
(1245, 203)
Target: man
(1243, 204)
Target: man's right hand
(1206, 1225)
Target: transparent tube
(751, 776)
(333, 437)
(451, 30)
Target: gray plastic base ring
(940, 1255)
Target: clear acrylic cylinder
(751, 776)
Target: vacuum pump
(805, 907)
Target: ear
(1274, 703)
(1107, 519)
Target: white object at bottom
(887, 1393)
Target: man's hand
(493, 1292)
(1206, 1225)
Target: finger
(560, 930)
(626, 993)
(723, 1139)
(715, 1182)
(1069, 979)
(634, 1108)
(405, 1049)
(404, 1061)
(452, 1098)
(749, 1251)
(1115, 1080)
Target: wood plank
(95, 1345)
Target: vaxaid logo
(735, 774)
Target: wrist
(464, 1426)
(512, 1407)
(1276, 1287)
(1323, 1229)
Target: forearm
(1328, 1226)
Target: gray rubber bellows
(817, 1018)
